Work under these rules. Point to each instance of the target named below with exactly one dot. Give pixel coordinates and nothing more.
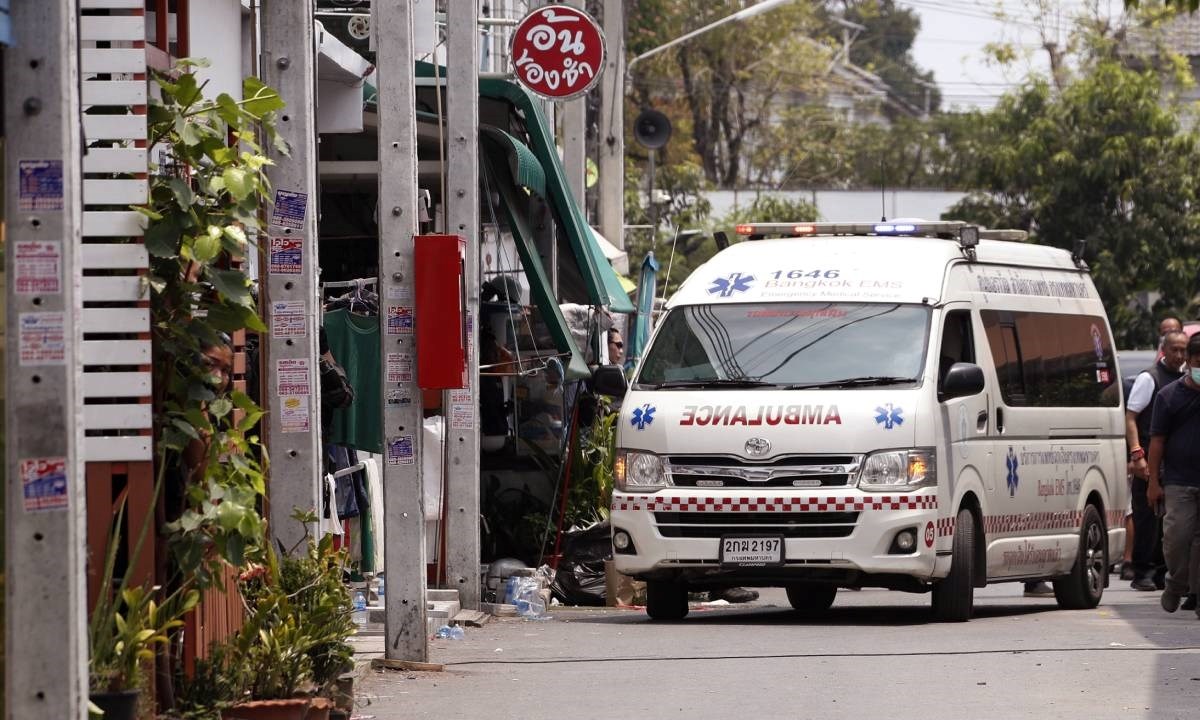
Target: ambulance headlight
(639, 472)
(898, 470)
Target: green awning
(522, 164)
(494, 162)
(601, 280)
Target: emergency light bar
(946, 229)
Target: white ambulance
(921, 406)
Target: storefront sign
(558, 52)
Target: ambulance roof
(849, 268)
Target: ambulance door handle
(981, 421)
(1000, 420)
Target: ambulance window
(957, 343)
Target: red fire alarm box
(440, 306)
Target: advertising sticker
(400, 450)
(399, 368)
(292, 377)
(287, 255)
(287, 318)
(462, 410)
(39, 185)
(294, 414)
(44, 481)
(399, 320)
(289, 209)
(37, 267)
(42, 339)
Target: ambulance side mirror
(962, 380)
(609, 380)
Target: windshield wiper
(853, 382)
(712, 383)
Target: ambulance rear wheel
(1083, 588)
(954, 595)
(666, 600)
(811, 598)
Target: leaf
(238, 182)
(207, 246)
(182, 192)
(259, 98)
(220, 407)
(162, 238)
(228, 111)
(233, 284)
(187, 91)
(236, 234)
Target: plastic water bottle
(381, 585)
(359, 603)
(443, 632)
(456, 633)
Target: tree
(724, 86)
(1104, 161)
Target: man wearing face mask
(1139, 409)
(1174, 470)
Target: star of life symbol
(889, 416)
(642, 416)
(1010, 461)
(727, 286)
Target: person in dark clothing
(1148, 565)
(1174, 469)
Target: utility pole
(405, 634)
(45, 513)
(574, 139)
(611, 135)
(462, 218)
(293, 385)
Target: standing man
(1139, 409)
(1174, 470)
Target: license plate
(752, 551)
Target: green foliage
(205, 201)
(1105, 161)
(298, 617)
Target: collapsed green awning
(522, 164)
(603, 286)
(494, 163)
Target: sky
(954, 33)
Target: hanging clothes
(354, 343)
(330, 524)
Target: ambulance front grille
(788, 524)
(795, 471)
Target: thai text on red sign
(558, 51)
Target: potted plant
(126, 625)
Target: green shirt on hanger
(354, 343)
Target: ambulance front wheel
(954, 595)
(666, 600)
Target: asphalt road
(877, 654)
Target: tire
(811, 598)
(954, 595)
(1084, 586)
(666, 600)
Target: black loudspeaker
(652, 129)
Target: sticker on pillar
(292, 377)
(44, 481)
(287, 318)
(289, 209)
(462, 410)
(37, 267)
(399, 320)
(294, 415)
(43, 339)
(399, 368)
(40, 185)
(287, 255)
(401, 293)
(400, 450)
(399, 398)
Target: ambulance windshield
(791, 345)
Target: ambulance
(919, 406)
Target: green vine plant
(206, 195)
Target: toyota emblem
(758, 446)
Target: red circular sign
(558, 51)
(929, 535)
